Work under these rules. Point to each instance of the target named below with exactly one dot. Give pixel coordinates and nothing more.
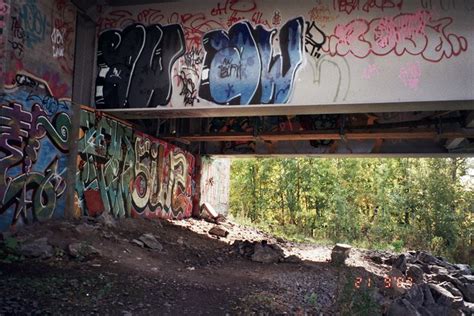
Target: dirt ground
(194, 274)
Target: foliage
(9, 251)
(377, 203)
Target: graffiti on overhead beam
(348, 6)
(240, 66)
(135, 65)
(416, 34)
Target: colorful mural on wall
(119, 170)
(4, 13)
(248, 52)
(35, 129)
(128, 173)
(41, 41)
(36, 52)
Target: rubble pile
(439, 287)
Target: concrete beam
(284, 109)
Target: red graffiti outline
(382, 36)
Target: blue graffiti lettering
(241, 67)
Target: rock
(468, 308)
(444, 297)
(84, 228)
(107, 220)
(218, 231)
(340, 253)
(400, 263)
(292, 259)
(280, 240)
(389, 260)
(402, 307)
(39, 248)
(79, 250)
(438, 310)
(451, 288)
(244, 247)
(443, 277)
(467, 291)
(265, 253)
(208, 212)
(397, 287)
(429, 300)
(377, 259)
(5, 235)
(415, 273)
(410, 257)
(464, 269)
(150, 241)
(426, 258)
(415, 296)
(467, 279)
(437, 269)
(138, 243)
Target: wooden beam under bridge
(325, 135)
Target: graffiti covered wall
(36, 50)
(215, 184)
(41, 42)
(128, 173)
(246, 52)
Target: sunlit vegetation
(396, 204)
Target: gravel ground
(193, 273)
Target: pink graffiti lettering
(410, 75)
(409, 33)
(371, 71)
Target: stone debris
(83, 250)
(39, 248)
(107, 220)
(340, 253)
(400, 263)
(449, 289)
(151, 242)
(5, 235)
(292, 259)
(85, 228)
(218, 231)
(415, 273)
(259, 251)
(266, 253)
(207, 211)
(138, 243)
